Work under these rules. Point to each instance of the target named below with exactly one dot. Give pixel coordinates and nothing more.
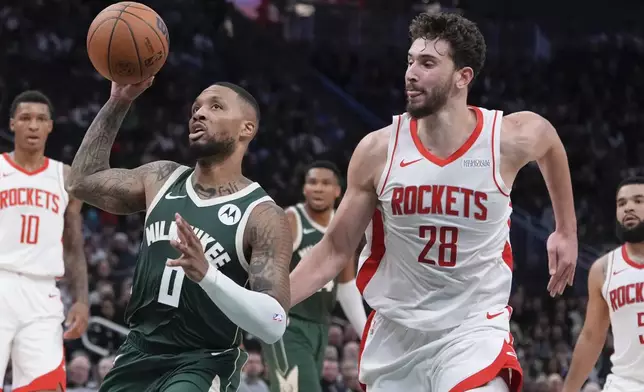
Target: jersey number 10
(446, 236)
(29, 230)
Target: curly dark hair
(467, 45)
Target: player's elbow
(274, 334)
(73, 186)
(274, 327)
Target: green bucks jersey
(167, 307)
(318, 307)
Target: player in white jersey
(616, 298)
(432, 191)
(41, 239)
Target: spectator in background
(78, 373)
(251, 379)
(330, 377)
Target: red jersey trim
(496, 113)
(628, 259)
(41, 169)
(413, 128)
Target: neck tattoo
(220, 190)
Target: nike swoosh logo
(619, 272)
(171, 197)
(491, 316)
(308, 231)
(403, 163)
(52, 295)
(7, 174)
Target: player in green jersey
(295, 361)
(215, 254)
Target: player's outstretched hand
(562, 261)
(77, 320)
(192, 259)
(129, 92)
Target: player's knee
(496, 385)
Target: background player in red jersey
(35, 212)
(616, 298)
(446, 53)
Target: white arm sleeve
(256, 313)
(351, 302)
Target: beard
(320, 209)
(434, 100)
(212, 151)
(633, 235)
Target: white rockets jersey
(623, 290)
(32, 217)
(438, 249)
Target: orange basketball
(128, 42)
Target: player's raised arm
(593, 335)
(119, 191)
(528, 137)
(328, 257)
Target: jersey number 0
(170, 288)
(446, 237)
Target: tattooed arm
(119, 191)
(262, 310)
(269, 236)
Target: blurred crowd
(589, 92)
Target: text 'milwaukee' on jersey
(438, 249)
(32, 218)
(166, 307)
(623, 290)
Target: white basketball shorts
(396, 358)
(31, 332)
(616, 383)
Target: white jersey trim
(164, 188)
(297, 240)
(391, 152)
(61, 181)
(609, 274)
(496, 153)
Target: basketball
(128, 42)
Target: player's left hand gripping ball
(77, 320)
(562, 261)
(192, 259)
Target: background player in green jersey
(209, 233)
(295, 362)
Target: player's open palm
(562, 261)
(192, 259)
(129, 92)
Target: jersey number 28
(446, 238)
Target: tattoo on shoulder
(160, 171)
(268, 235)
